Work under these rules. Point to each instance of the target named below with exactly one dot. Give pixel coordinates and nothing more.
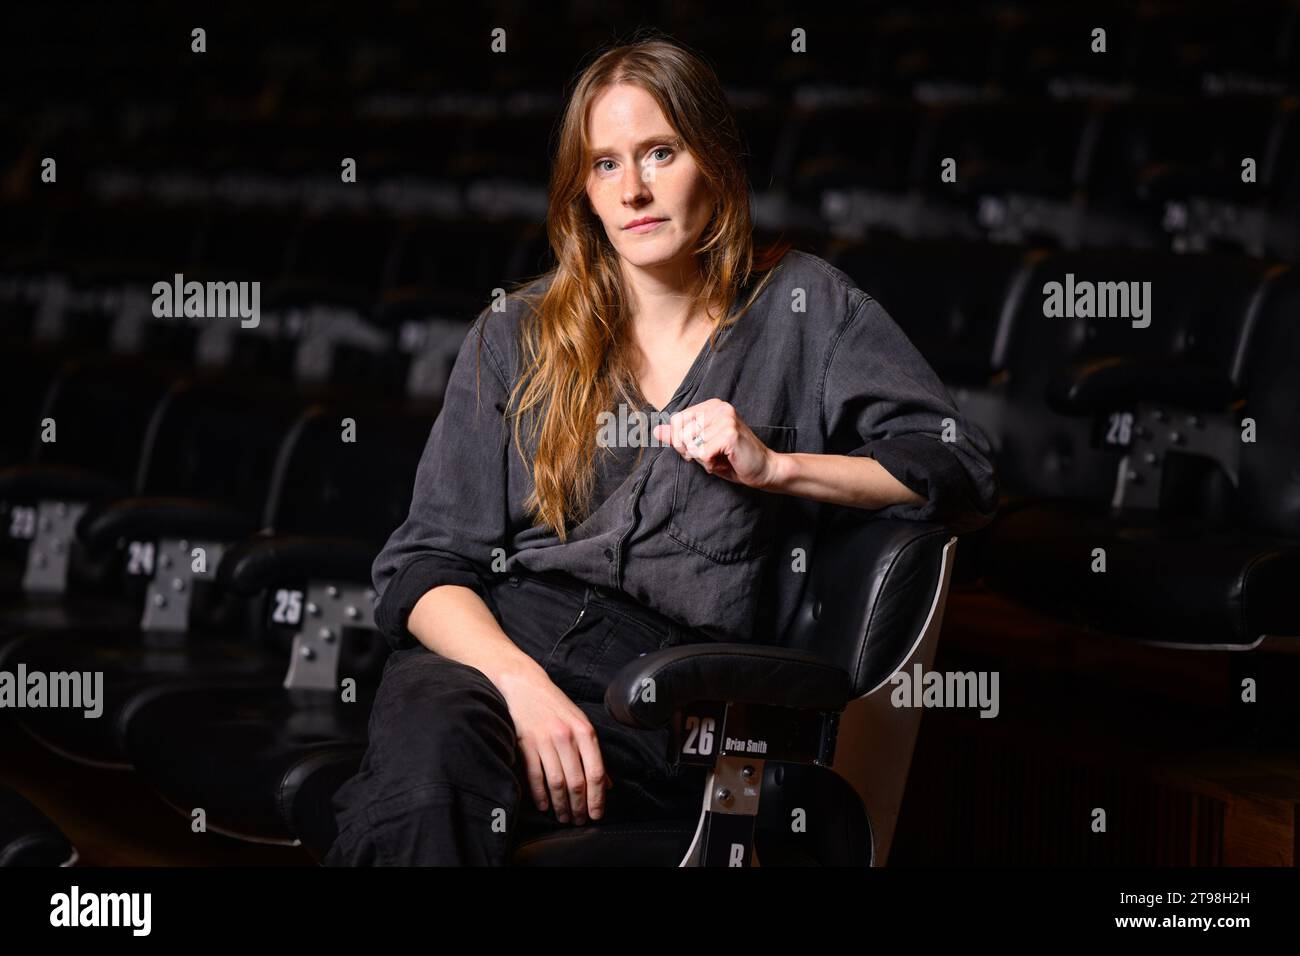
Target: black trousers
(442, 781)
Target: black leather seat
(28, 837)
(839, 833)
(239, 642)
(1167, 172)
(264, 763)
(97, 412)
(953, 323)
(1018, 169)
(246, 750)
(207, 454)
(849, 165)
(204, 458)
(1067, 377)
(213, 447)
(1170, 581)
(1211, 562)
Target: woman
(551, 538)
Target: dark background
(1122, 165)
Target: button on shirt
(815, 365)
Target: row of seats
(1163, 435)
(225, 598)
(204, 576)
(202, 525)
(1111, 431)
(926, 49)
(1150, 172)
(176, 531)
(348, 307)
(356, 258)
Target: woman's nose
(634, 183)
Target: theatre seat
(1174, 582)
(264, 761)
(28, 837)
(245, 751)
(130, 665)
(838, 834)
(84, 447)
(841, 834)
(1201, 540)
(203, 468)
(648, 843)
(237, 638)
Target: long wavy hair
(576, 355)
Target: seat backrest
(346, 470)
(461, 262)
(1152, 148)
(872, 586)
(354, 250)
(866, 147)
(1196, 312)
(244, 245)
(1268, 496)
(217, 441)
(948, 296)
(101, 408)
(1025, 146)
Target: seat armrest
(1097, 385)
(263, 561)
(731, 672)
(27, 836)
(58, 482)
(139, 518)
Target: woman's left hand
(713, 434)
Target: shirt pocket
(723, 520)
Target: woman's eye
(667, 150)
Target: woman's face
(640, 169)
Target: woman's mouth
(645, 226)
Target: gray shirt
(816, 365)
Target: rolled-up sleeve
(882, 400)
(458, 512)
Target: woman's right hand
(559, 745)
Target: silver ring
(699, 440)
